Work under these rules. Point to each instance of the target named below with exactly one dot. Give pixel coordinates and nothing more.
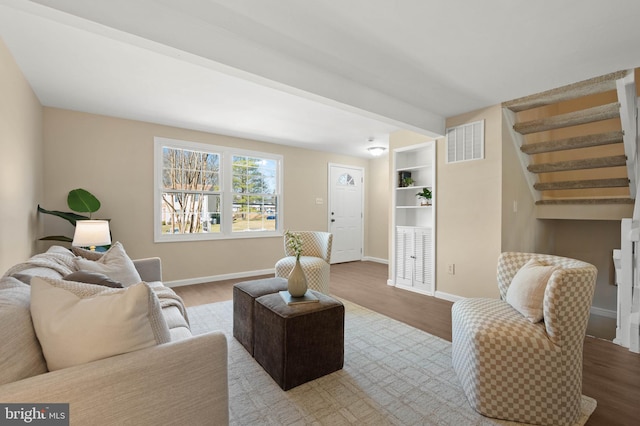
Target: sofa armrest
(150, 269)
(182, 383)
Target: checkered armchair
(314, 259)
(513, 369)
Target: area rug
(393, 374)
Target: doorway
(346, 212)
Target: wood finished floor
(611, 374)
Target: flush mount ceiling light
(376, 151)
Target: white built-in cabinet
(413, 245)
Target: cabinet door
(423, 262)
(404, 256)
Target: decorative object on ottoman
(314, 258)
(244, 295)
(297, 282)
(298, 343)
(308, 297)
(513, 368)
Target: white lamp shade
(91, 233)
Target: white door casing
(346, 212)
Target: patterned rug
(393, 374)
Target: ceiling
(326, 75)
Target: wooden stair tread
(572, 91)
(591, 163)
(577, 142)
(589, 115)
(583, 184)
(584, 201)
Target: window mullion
(227, 193)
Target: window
(254, 198)
(346, 179)
(465, 142)
(211, 192)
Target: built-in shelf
(403, 188)
(408, 169)
(413, 224)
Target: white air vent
(465, 142)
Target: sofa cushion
(114, 263)
(78, 323)
(526, 292)
(92, 278)
(21, 355)
(87, 254)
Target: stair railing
(628, 274)
(628, 99)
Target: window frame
(226, 191)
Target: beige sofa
(183, 382)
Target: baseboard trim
(213, 278)
(448, 296)
(607, 313)
(375, 259)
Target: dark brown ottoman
(298, 343)
(244, 295)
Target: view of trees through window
(254, 187)
(193, 197)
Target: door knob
(333, 220)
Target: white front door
(345, 212)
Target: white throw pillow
(526, 292)
(114, 263)
(77, 323)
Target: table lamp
(91, 233)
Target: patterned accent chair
(513, 369)
(314, 259)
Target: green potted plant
(80, 201)
(426, 195)
(407, 181)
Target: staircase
(578, 144)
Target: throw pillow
(78, 323)
(21, 355)
(114, 263)
(87, 254)
(526, 292)
(92, 278)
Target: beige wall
(113, 159)
(469, 210)
(377, 209)
(591, 241)
(520, 227)
(20, 163)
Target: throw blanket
(62, 263)
(168, 297)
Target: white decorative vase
(297, 283)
